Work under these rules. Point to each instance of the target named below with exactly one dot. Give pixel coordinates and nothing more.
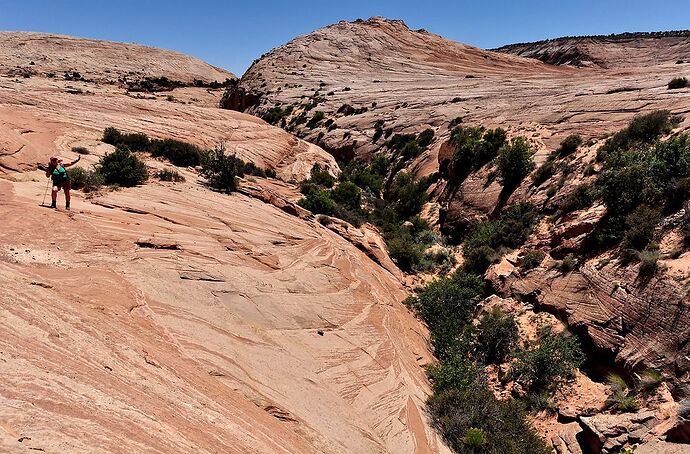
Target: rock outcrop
(171, 318)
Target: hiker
(56, 170)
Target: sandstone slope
(417, 79)
(44, 53)
(169, 318)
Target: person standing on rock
(56, 171)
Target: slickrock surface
(628, 50)
(44, 53)
(418, 79)
(169, 318)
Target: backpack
(59, 174)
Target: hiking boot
(53, 205)
(67, 206)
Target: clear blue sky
(231, 34)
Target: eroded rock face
(171, 318)
(412, 80)
(45, 54)
(642, 324)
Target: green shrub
(678, 82)
(569, 263)
(181, 154)
(485, 240)
(554, 359)
(447, 305)
(583, 196)
(475, 438)
(81, 150)
(276, 114)
(111, 136)
(643, 129)
(456, 412)
(497, 336)
(621, 398)
(316, 119)
(348, 194)
(640, 227)
(650, 379)
(85, 180)
(454, 373)
(540, 401)
(569, 145)
(474, 148)
(515, 162)
(532, 259)
(170, 175)
(425, 138)
(321, 177)
(123, 168)
(318, 201)
(221, 170)
(648, 261)
(406, 195)
(543, 173)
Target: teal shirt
(59, 174)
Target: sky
(232, 34)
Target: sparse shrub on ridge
(81, 150)
(221, 170)
(122, 167)
(497, 336)
(85, 180)
(170, 175)
(678, 82)
(569, 145)
(532, 259)
(515, 162)
(554, 359)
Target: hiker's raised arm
(72, 163)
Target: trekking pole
(45, 193)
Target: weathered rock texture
(170, 318)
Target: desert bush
(406, 195)
(640, 227)
(497, 336)
(170, 175)
(569, 145)
(514, 162)
(475, 439)
(678, 82)
(649, 380)
(425, 138)
(532, 259)
(621, 398)
(569, 263)
(318, 201)
(316, 119)
(122, 167)
(221, 170)
(543, 173)
(276, 114)
(461, 414)
(85, 180)
(474, 148)
(447, 305)
(455, 373)
(321, 177)
(540, 401)
(643, 129)
(554, 359)
(649, 259)
(485, 240)
(179, 153)
(81, 150)
(348, 194)
(583, 196)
